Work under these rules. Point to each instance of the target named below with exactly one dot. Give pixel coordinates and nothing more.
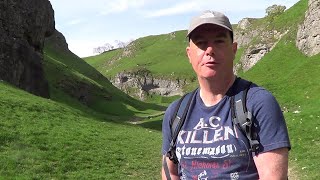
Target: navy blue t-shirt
(209, 146)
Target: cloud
(176, 9)
(121, 6)
(234, 6)
(75, 21)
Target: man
(209, 146)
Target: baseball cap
(209, 17)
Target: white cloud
(83, 48)
(176, 9)
(75, 21)
(121, 6)
(234, 6)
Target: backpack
(241, 117)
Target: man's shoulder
(174, 105)
(254, 91)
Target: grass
(70, 76)
(64, 138)
(163, 55)
(43, 139)
(294, 79)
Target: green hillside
(75, 134)
(295, 80)
(68, 75)
(162, 55)
(44, 139)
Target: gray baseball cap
(209, 17)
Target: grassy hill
(84, 131)
(162, 55)
(72, 81)
(89, 129)
(45, 139)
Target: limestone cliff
(140, 84)
(308, 36)
(24, 24)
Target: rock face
(146, 84)
(24, 24)
(245, 34)
(58, 41)
(253, 55)
(308, 36)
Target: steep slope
(151, 64)
(44, 139)
(70, 76)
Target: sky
(87, 24)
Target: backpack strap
(243, 118)
(176, 123)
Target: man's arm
(273, 164)
(173, 169)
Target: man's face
(211, 51)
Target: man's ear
(188, 53)
(234, 47)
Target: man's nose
(210, 49)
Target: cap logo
(207, 15)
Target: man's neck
(213, 90)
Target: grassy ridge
(43, 139)
(294, 79)
(67, 138)
(162, 55)
(68, 74)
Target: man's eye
(201, 43)
(219, 41)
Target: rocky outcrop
(253, 55)
(244, 34)
(58, 41)
(264, 42)
(308, 36)
(24, 24)
(141, 84)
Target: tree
(108, 46)
(275, 10)
(120, 44)
(102, 49)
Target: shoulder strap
(176, 123)
(180, 113)
(242, 117)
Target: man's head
(210, 17)
(211, 49)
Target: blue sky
(87, 24)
